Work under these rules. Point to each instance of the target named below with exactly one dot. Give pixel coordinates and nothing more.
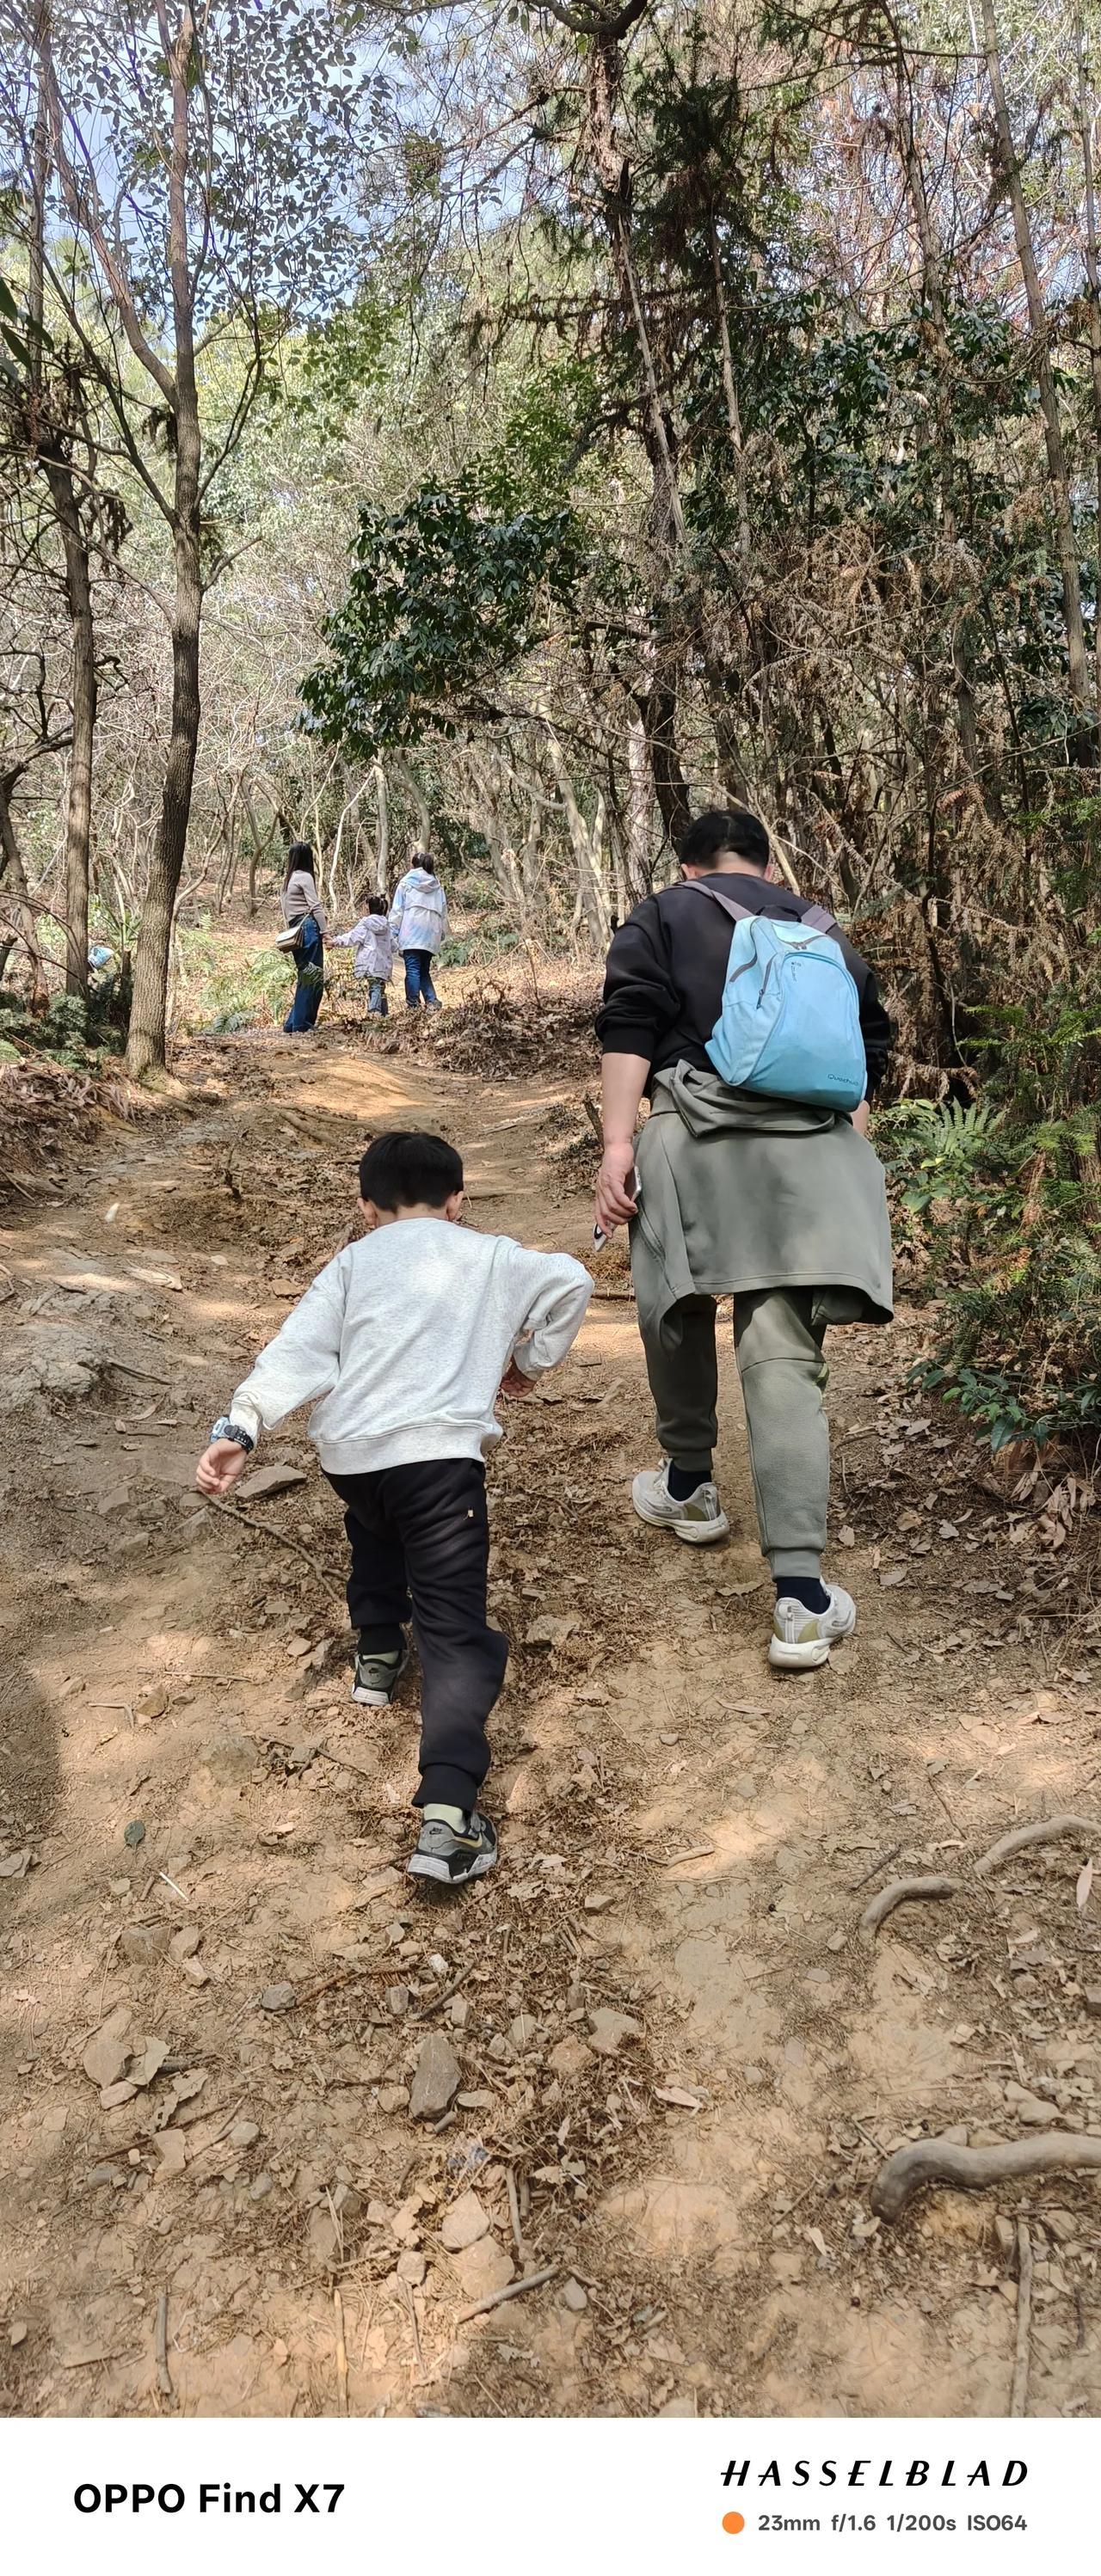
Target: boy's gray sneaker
(699, 1521)
(377, 1677)
(453, 1858)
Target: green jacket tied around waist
(739, 1192)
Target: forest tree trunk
(18, 895)
(1093, 308)
(666, 514)
(63, 492)
(78, 801)
(586, 842)
(146, 1041)
(1066, 540)
(382, 830)
(418, 801)
(932, 260)
(636, 855)
(256, 847)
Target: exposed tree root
(1018, 2403)
(1026, 1837)
(975, 2168)
(903, 1891)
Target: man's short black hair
(729, 827)
(405, 1169)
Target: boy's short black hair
(405, 1169)
(377, 903)
(729, 827)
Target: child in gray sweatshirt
(402, 1345)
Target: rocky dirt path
(652, 2055)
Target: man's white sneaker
(699, 1521)
(802, 1638)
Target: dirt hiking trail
(652, 2055)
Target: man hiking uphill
(759, 1035)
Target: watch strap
(224, 1429)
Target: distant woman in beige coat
(304, 912)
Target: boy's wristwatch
(224, 1429)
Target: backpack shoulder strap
(816, 917)
(737, 911)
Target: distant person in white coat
(418, 921)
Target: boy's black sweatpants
(419, 1538)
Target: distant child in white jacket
(418, 919)
(403, 1345)
(372, 941)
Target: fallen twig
(1027, 1837)
(164, 2381)
(881, 1863)
(595, 1120)
(1019, 2398)
(411, 2304)
(513, 2290)
(280, 1538)
(975, 2168)
(669, 1860)
(343, 1977)
(220, 2132)
(903, 1891)
(514, 2213)
(434, 2001)
(341, 2356)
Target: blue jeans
(311, 979)
(377, 1004)
(418, 979)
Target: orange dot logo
(733, 2522)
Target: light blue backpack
(790, 1018)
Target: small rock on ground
(324, 2238)
(436, 2080)
(107, 2055)
(270, 1480)
(144, 1942)
(610, 2031)
(464, 2223)
(484, 2268)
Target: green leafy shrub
(221, 993)
(997, 1207)
(70, 1032)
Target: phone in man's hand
(633, 1192)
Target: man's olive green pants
(778, 1346)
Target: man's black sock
(380, 1641)
(683, 1481)
(807, 1588)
